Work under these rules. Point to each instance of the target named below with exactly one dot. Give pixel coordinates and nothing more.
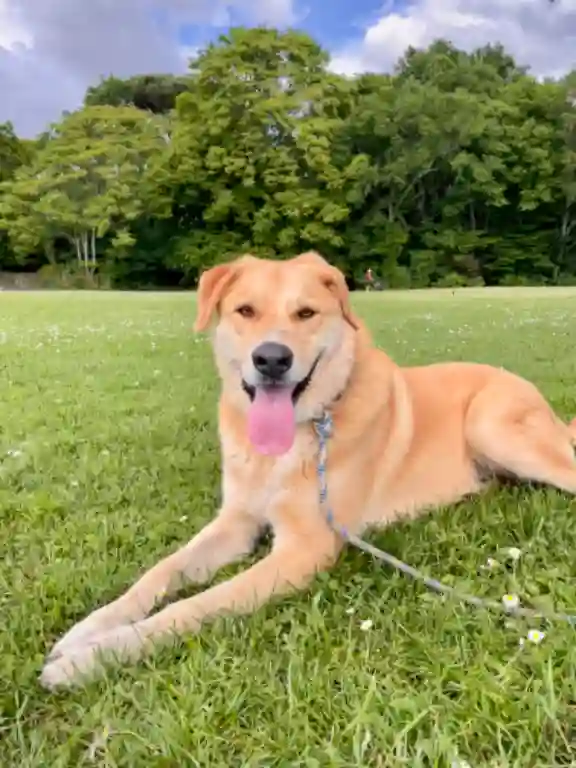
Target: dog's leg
(228, 538)
(522, 437)
(290, 566)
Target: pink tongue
(271, 421)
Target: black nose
(272, 360)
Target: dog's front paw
(66, 671)
(82, 661)
(98, 622)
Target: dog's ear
(313, 258)
(335, 281)
(211, 287)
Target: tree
(90, 180)
(155, 93)
(441, 64)
(458, 168)
(461, 172)
(251, 162)
(408, 133)
(13, 153)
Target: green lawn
(109, 460)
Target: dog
(289, 348)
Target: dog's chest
(261, 484)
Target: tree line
(456, 169)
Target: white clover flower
(534, 636)
(350, 611)
(510, 602)
(514, 553)
(366, 625)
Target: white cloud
(52, 50)
(12, 31)
(538, 33)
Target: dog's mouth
(272, 415)
(272, 385)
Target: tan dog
(288, 346)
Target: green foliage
(69, 276)
(251, 152)
(458, 169)
(89, 181)
(155, 93)
(13, 154)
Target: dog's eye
(305, 313)
(246, 310)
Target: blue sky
(334, 23)
(52, 50)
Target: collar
(324, 426)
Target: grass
(109, 460)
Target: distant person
(369, 277)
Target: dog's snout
(272, 360)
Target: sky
(52, 50)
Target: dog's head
(284, 341)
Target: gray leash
(324, 427)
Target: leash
(324, 428)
